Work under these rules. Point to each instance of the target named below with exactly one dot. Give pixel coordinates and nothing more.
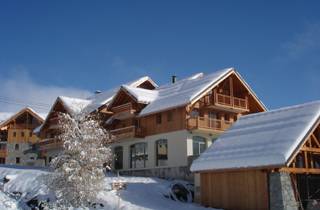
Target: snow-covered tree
(78, 172)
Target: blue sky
(49, 48)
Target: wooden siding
(243, 190)
(149, 124)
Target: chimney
(97, 92)
(173, 78)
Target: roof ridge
(282, 109)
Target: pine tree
(78, 172)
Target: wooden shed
(267, 160)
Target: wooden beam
(312, 150)
(315, 140)
(301, 170)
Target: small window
(22, 134)
(17, 160)
(158, 119)
(16, 147)
(169, 116)
(14, 134)
(162, 152)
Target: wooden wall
(243, 190)
(150, 127)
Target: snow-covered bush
(78, 172)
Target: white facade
(179, 149)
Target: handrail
(208, 123)
(122, 107)
(231, 101)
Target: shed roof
(264, 139)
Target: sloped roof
(141, 95)
(187, 90)
(74, 105)
(98, 100)
(15, 115)
(261, 140)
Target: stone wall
(281, 193)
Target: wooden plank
(241, 190)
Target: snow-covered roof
(261, 140)
(105, 97)
(74, 105)
(141, 95)
(187, 90)
(5, 118)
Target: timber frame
(307, 158)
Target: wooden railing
(122, 108)
(125, 132)
(50, 143)
(231, 101)
(208, 123)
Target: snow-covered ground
(141, 193)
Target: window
(169, 116)
(138, 155)
(162, 152)
(22, 134)
(14, 134)
(30, 134)
(16, 147)
(2, 160)
(50, 159)
(17, 160)
(118, 153)
(158, 119)
(199, 145)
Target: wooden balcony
(50, 143)
(231, 102)
(123, 111)
(210, 124)
(127, 132)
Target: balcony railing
(50, 143)
(122, 108)
(231, 101)
(127, 132)
(208, 123)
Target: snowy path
(141, 193)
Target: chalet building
(16, 136)
(159, 132)
(267, 160)
(50, 146)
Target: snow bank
(141, 193)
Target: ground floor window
(162, 152)
(17, 160)
(138, 155)
(199, 145)
(118, 153)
